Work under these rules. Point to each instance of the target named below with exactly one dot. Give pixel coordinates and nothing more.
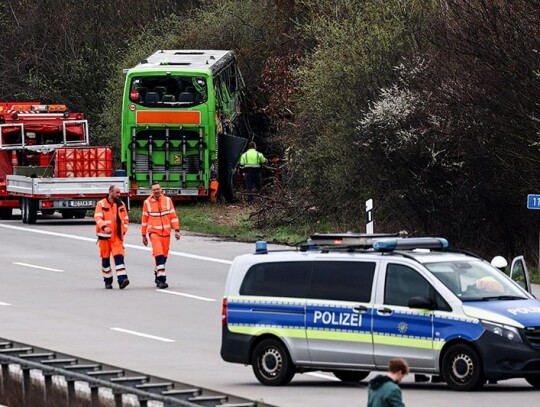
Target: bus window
(168, 91)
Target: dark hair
(398, 365)
(252, 144)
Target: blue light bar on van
(385, 245)
(261, 247)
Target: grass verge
(230, 221)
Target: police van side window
(342, 280)
(280, 279)
(403, 282)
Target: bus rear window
(168, 91)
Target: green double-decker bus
(180, 124)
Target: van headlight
(508, 332)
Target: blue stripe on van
(266, 313)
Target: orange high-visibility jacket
(114, 215)
(159, 216)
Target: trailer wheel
(24, 210)
(5, 213)
(32, 208)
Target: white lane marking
(157, 338)
(132, 246)
(5, 303)
(323, 376)
(196, 297)
(38, 267)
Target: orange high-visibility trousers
(114, 247)
(110, 246)
(160, 245)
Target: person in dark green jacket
(384, 390)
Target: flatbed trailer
(72, 197)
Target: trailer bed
(73, 187)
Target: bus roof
(186, 59)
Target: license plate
(171, 191)
(81, 204)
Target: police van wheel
(272, 364)
(462, 368)
(534, 381)
(350, 376)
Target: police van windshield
(169, 91)
(475, 281)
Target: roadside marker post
(369, 216)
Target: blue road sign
(533, 201)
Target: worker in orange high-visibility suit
(159, 219)
(112, 221)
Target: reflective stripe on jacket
(252, 158)
(159, 216)
(114, 215)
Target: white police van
(349, 303)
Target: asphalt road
(52, 296)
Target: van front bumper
(504, 359)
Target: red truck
(47, 163)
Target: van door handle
(384, 310)
(360, 308)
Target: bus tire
(272, 364)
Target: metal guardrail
(98, 375)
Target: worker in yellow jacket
(159, 220)
(112, 222)
(251, 163)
